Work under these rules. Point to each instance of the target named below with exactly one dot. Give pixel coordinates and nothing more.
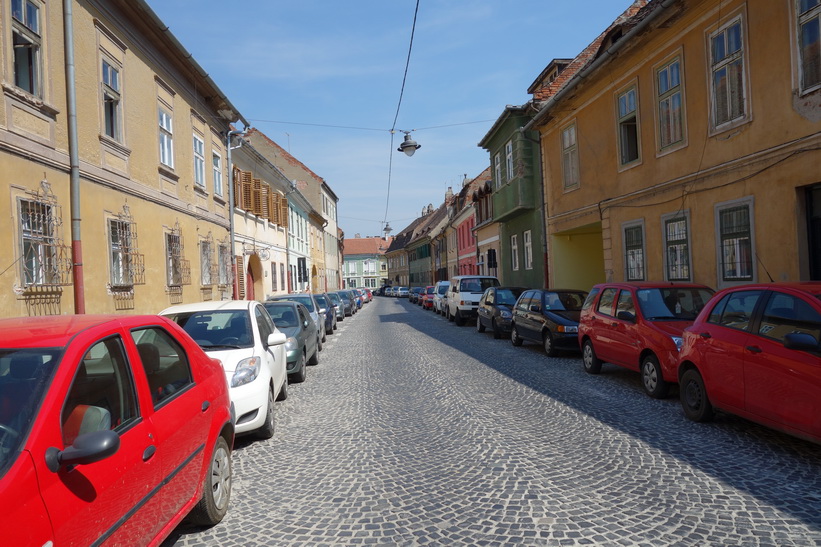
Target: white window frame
(680, 248)
(199, 160)
(216, 168)
(497, 169)
(27, 46)
(635, 257)
(628, 126)
(173, 256)
(39, 260)
(726, 255)
(568, 139)
(166, 129)
(722, 36)
(206, 258)
(527, 241)
(110, 81)
(671, 119)
(810, 16)
(514, 252)
(119, 246)
(509, 160)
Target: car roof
(283, 302)
(58, 330)
(811, 287)
(221, 305)
(652, 285)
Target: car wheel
(547, 343)
(497, 332)
(301, 370)
(325, 334)
(319, 340)
(458, 319)
(652, 379)
(515, 339)
(694, 399)
(268, 428)
(314, 360)
(283, 392)
(479, 326)
(449, 316)
(217, 490)
(592, 364)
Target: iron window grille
(45, 259)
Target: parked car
(307, 300)
(464, 294)
(348, 306)
(413, 295)
(754, 351)
(402, 292)
(241, 334)
(549, 317)
(440, 296)
(355, 298)
(427, 297)
(327, 311)
(101, 423)
(339, 305)
(496, 309)
(368, 294)
(301, 348)
(639, 325)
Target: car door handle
(149, 453)
(705, 335)
(206, 405)
(614, 324)
(754, 349)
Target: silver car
(307, 300)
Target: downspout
(235, 284)
(74, 162)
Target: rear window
(479, 284)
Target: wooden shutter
(256, 196)
(283, 212)
(265, 201)
(241, 277)
(236, 180)
(247, 182)
(274, 207)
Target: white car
(440, 296)
(241, 334)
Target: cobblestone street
(413, 431)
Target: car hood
(230, 357)
(289, 331)
(671, 328)
(565, 316)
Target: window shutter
(265, 201)
(241, 277)
(283, 212)
(236, 180)
(247, 191)
(273, 207)
(256, 196)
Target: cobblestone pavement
(413, 431)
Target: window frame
(723, 280)
(111, 100)
(497, 169)
(27, 38)
(663, 147)
(713, 66)
(630, 269)
(509, 160)
(527, 242)
(198, 150)
(166, 136)
(667, 243)
(173, 256)
(628, 120)
(120, 253)
(801, 19)
(42, 239)
(571, 168)
(514, 252)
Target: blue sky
(326, 63)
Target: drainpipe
(235, 284)
(74, 162)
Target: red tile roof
(366, 246)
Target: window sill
(200, 189)
(30, 100)
(115, 146)
(168, 172)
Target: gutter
(587, 71)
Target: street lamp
(409, 146)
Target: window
(514, 252)
(634, 252)
(608, 297)
(509, 160)
(628, 127)
(735, 310)
(677, 248)
(119, 238)
(216, 164)
(40, 260)
(282, 276)
(206, 259)
(735, 243)
(727, 67)
(786, 314)
(177, 268)
(497, 169)
(274, 276)
(570, 157)
(165, 363)
(809, 42)
(670, 104)
(27, 43)
(225, 267)
(199, 161)
(528, 242)
(166, 138)
(111, 101)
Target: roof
(403, 237)
(56, 331)
(367, 246)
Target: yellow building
(685, 147)
(145, 211)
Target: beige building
(687, 147)
(142, 222)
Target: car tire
(591, 363)
(459, 319)
(497, 332)
(449, 316)
(325, 334)
(283, 392)
(479, 326)
(319, 340)
(547, 344)
(693, 395)
(314, 360)
(269, 427)
(515, 339)
(651, 378)
(301, 371)
(216, 492)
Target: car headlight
(504, 314)
(246, 372)
(568, 328)
(678, 341)
(291, 344)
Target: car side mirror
(626, 316)
(87, 448)
(801, 341)
(323, 310)
(276, 338)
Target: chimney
(357, 236)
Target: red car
(638, 325)
(754, 351)
(426, 297)
(112, 429)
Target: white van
(464, 294)
(440, 296)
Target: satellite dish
(263, 254)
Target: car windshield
(24, 378)
(284, 315)
(672, 303)
(321, 301)
(442, 289)
(429, 290)
(334, 298)
(479, 284)
(344, 296)
(305, 299)
(568, 301)
(507, 297)
(217, 330)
